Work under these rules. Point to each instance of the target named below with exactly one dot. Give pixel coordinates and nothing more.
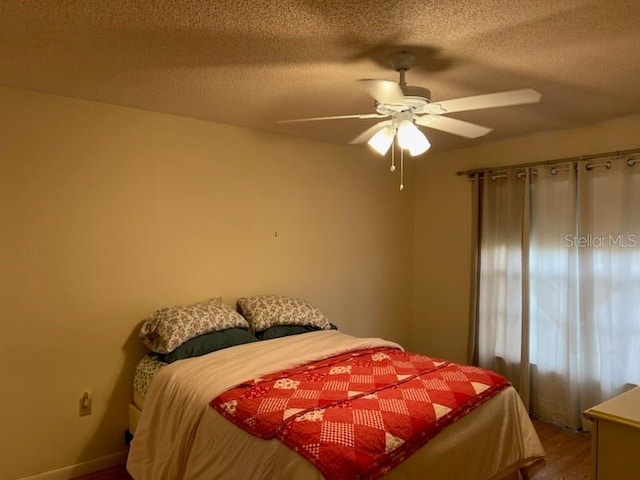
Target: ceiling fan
(406, 106)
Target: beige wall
(443, 223)
(108, 213)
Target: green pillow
(209, 342)
(286, 330)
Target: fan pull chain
(401, 169)
(393, 157)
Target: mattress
(180, 437)
(146, 370)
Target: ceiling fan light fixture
(420, 146)
(412, 139)
(405, 107)
(382, 140)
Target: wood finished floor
(568, 457)
(568, 453)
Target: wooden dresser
(615, 439)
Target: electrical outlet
(85, 404)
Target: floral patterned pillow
(265, 311)
(168, 328)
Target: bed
(177, 435)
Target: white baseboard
(82, 468)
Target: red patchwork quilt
(357, 415)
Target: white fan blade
(452, 125)
(337, 117)
(385, 91)
(490, 100)
(370, 132)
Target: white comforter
(180, 437)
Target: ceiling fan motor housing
(417, 92)
(416, 100)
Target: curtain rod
(581, 158)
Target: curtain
(557, 297)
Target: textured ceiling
(252, 62)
